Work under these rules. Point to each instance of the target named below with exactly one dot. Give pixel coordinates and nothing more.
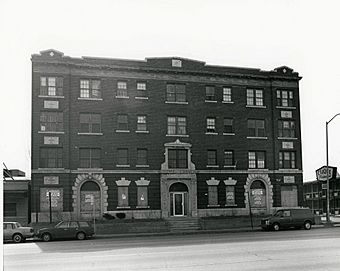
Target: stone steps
(182, 224)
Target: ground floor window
(230, 195)
(10, 209)
(142, 194)
(56, 199)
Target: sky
(303, 35)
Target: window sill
(288, 169)
(89, 168)
(229, 134)
(93, 134)
(142, 207)
(122, 97)
(167, 102)
(287, 138)
(226, 102)
(51, 132)
(142, 166)
(123, 166)
(210, 101)
(50, 96)
(285, 107)
(142, 132)
(51, 168)
(89, 99)
(177, 135)
(214, 205)
(212, 166)
(122, 131)
(233, 167)
(257, 137)
(141, 98)
(210, 133)
(257, 106)
(123, 207)
(230, 205)
(257, 169)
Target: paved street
(317, 249)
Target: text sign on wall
(51, 140)
(286, 114)
(287, 145)
(51, 104)
(56, 199)
(51, 180)
(321, 173)
(288, 179)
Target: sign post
(50, 205)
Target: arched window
(258, 194)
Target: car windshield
(59, 224)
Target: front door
(178, 204)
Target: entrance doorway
(178, 199)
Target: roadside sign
(321, 173)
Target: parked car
(288, 218)
(66, 230)
(14, 231)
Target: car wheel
(276, 226)
(81, 236)
(17, 238)
(46, 237)
(307, 225)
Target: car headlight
(267, 222)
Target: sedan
(15, 232)
(66, 230)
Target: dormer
(177, 63)
(51, 53)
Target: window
(90, 89)
(122, 89)
(141, 86)
(228, 126)
(122, 122)
(122, 157)
(212, 158)
(89, 157)
(175, 93)
(228, 158)
(142, 194)
(256, 159)
(212, 195)
(255, 97)
(210, 93)
(142, 156)
(51, 122)
(177, 158)
(211, 125)
(286, 128)
(51, 157)
(227, 94)
(123, 196)
(141, 123)
(256, 128)
(287, 159)
(177, 125)
(284, 98)
(90, 123)
(230, 195)
(51, 86)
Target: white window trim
(122, 97)
(146, 166)
(228, 134)
(257, 137)
(51, 132)
(210, 101)
(141, 98)
(50, 96)
(89, 168)
(287, 138)
(94, 134)
(285, 107)
(89, 99)
(177, 135)
(228, 102)
(210, 133)
(231, 166)
(176, 102)
(142, 132)
(213, 166)
(256, 106)
(122, 165)
(122, 131)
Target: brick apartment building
(162, 137)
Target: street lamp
(327, 122)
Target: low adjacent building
(16, 196)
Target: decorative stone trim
(269, 189)
(212, 181)
(123, 182)
(230, 181)
(142, 182)
(80, 180)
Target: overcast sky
(303, 35)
